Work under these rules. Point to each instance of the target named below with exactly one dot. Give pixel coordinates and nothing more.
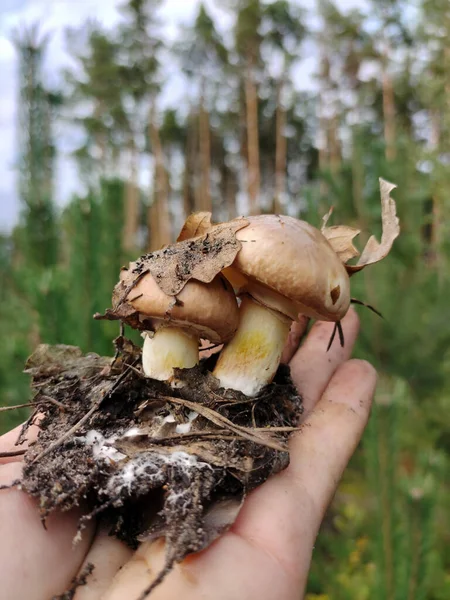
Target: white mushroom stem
(250, 360)
(167, 348)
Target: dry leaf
(200, 258)
(195, 225)
(325, 219)
(340, 239)
(374, 250)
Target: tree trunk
(388, 111)
(100, 138)
(160, 230)
(334, 144)
(131, 216)
(434, 234)
(189, 166)
(280, 151)
(205, 156)
(358, 180)
(230, 194)
(253, 174)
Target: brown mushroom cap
(295, 260)
(209, 311)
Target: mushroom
(285, 268)
(173, 325)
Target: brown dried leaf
(340, 239)
(195, 225)
(326, 218)
(374, 250)
(200, 258)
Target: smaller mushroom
(285, 268)
(173, 325)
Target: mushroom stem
(167, 348)
(250, 360)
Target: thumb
(321, 450)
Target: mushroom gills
(250, 360)
(166, 349)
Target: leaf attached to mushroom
(341, 237)
(200, 258)
(195, 225)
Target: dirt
(148, 459)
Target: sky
(55, 16)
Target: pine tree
(284, 32)
(248, 39)
(36, 159)
(204, 59)
(141, 44)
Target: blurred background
(118, 118)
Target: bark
(251, 101)
(280, 151)
(131, 217)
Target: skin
(267, 552)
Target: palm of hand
(267, 552)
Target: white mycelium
(146, 468)
(102, 447)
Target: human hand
(267, 552)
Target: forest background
(246, 140)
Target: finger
(137, 573)
(321, 450)
(230, 568)
(319, 454)
(31, 552)
(8, 442)
(296, 334)
(108, 555)
(312, 366)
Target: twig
(217, 434)
(50, 400)
(43, 398)
(222, 421)
(15, 483)
(369, 306)
(78, 581)
(65, 436)
(132, 285)
(17, 406)
(69, 433)
(209, 347)
(25, 427)
(13, 453)
(337, 328)
(168, 566)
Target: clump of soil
(152, 460)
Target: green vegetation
(245, 139)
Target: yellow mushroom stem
(251, 359)
(167, 348)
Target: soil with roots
(149, 459)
